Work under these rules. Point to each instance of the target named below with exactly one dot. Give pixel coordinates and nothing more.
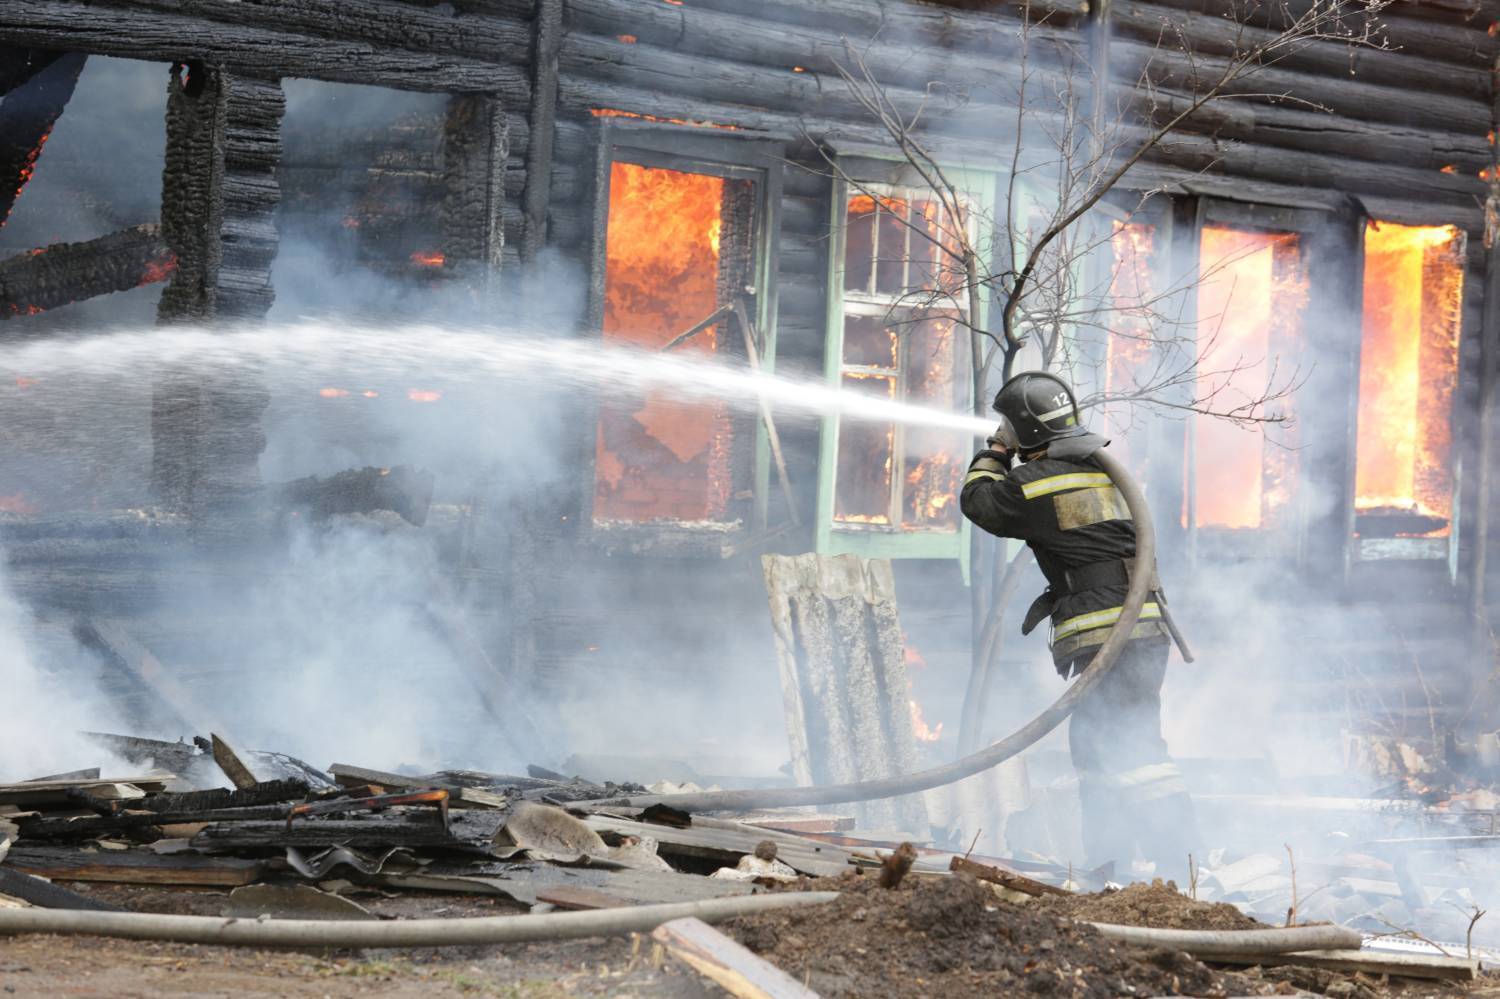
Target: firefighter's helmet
(1036, 408)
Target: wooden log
(475, 149)
(814, 53)
(380, 24)
(546, 47)
(726, 962)
(1154, 26)
(940, 25)
(1005, 879)
(1351, 98)
(27, 115)
(143, 34)
(134, 867)
(472, 830)
(71, 272)
(112, 638)
(1463, 43)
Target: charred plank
(26, 118)
(56, 275)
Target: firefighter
(1038, 482)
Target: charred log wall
(219, 195)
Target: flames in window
(1128, 354)
(657, 458)
(1250, 304)
(1413, 300)
(900, 343)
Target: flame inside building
(1250, 303)
(658, 458)
(1413, 296)
(900, 343)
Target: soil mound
(1158, 904)
(952, 936)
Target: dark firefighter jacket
(1080, 530)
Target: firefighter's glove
(990, 461)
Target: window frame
(720, 153)
(894, 542)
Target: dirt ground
(932, 937)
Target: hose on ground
(396, 933)
(1141, 574)
(1238, 943)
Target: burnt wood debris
(632, 562)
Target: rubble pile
(202, 828)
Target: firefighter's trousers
(1132, 794)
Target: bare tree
(1075, 139)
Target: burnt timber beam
(27, 115)
(219, 197)
(17, 65)
(71, 272)
(254, 51)
(378, 24)
(547, 46)
(475, 148)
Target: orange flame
(919, 726)
(1253, 294)
(617, 113)
(423, 395)
(1413, 304)
(333, 393)
(159, 270)
(627, 39)
(1450, 168)
(23, 382)
(427, 258)
(665, 459)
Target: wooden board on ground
(526, 882)
(459, 795)
(727, 842)
(133, 866)
(568, 897)
(726, 962)
(1370, 962)
(55, 792)
(40, 892)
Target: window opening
(677, 246)
(1128, 364)
(1251, 298)
(1408, 366)
(901, 338)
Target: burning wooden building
(711, 166)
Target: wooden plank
(458, 794)
(234, 768)
(115, 640)
(40, 892)
(1369, 962)
(134, 867)
(58, 792)
(726, 962)
(727, 842)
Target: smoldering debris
(269, 836)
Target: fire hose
(1142, 574)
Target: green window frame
(892, 539)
